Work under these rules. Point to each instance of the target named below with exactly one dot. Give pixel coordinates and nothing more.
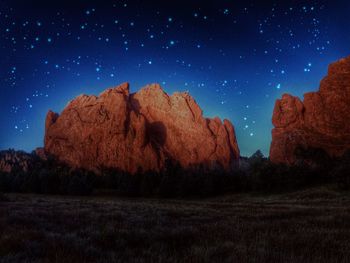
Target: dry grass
(308, 226)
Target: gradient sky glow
(234, 57)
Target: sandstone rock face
(321, 121)
(144, 130)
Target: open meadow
(306, 226)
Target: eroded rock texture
(145, 130)
(321, 121)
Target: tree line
(256, 174)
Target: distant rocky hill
(145, 131)
(11, 160)
(321, 121)
(20, 161)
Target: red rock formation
(320, 121)
(141, 130)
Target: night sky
(234, 57)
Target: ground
(306, 226)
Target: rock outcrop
(320, 121)
(146, 130)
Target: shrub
(149, 184)
(341, 175)
(3, 198)
(79, 185)
(341, 172)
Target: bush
(341, 177)
(268, 177)
(3, 198)
(79, 185)
(341, 172)
(149, 184)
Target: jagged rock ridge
(320, 121)
(144, 130)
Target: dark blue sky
(234, 57)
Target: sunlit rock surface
(145, 131)
(321, 121)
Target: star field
(234, 57)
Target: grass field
(306, 226)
